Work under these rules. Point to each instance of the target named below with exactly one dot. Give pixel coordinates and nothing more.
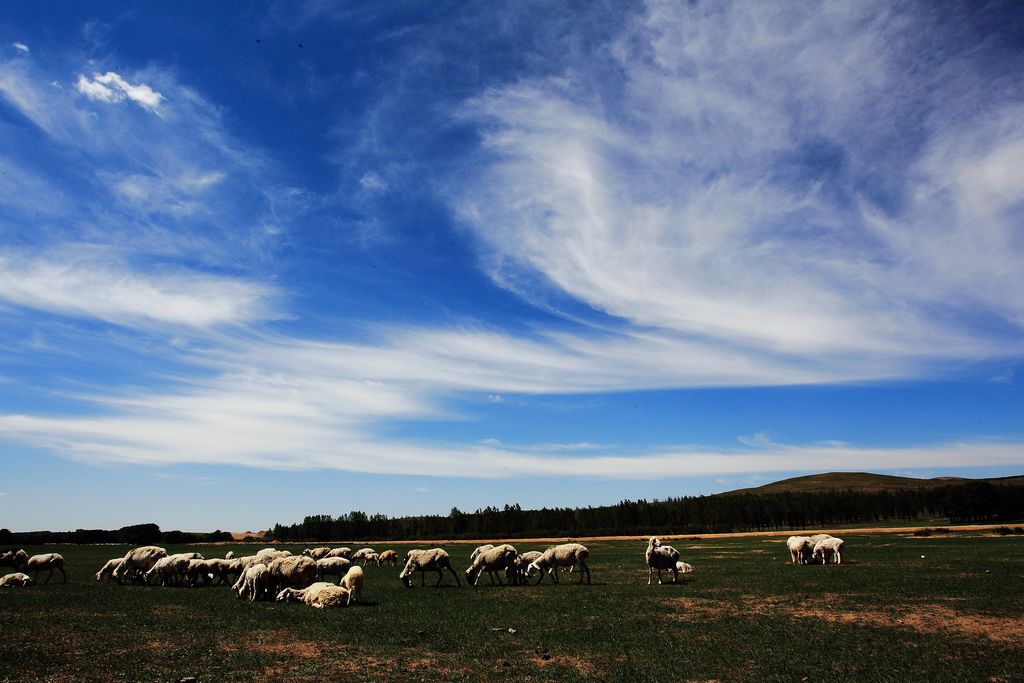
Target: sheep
(340, 552)
(433, 560)
(353, 583)
(49, 561)
(389, 557)
(169, 570)
(268, 555)
(14, 558)
(225, 569)
(291, 571)
(564, 555)
(517, 572)
(230, 555)
(660, 557)
(336, 566)
(15, 580)
(820, 537)
(493, 560)
(684, 567)
(195, 570)
(479, 549)
(137, 562)
(318, 595)
(829, 546)
(316, 553)
(362, 554)
(254, 583)
(800, 548)
(108, 570)
(371, 559)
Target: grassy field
(747, 614)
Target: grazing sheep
(108, 570)
(800, 549)
(294, 571)
(479, 549)
(362, 554)
(661, 558)
(820, 537)
(317, 595)
(372, 559)
(493, 560)
(225, 570)
(268, 555)
(254, 583)
(387, 557)
(433, 560)
(137, 562)
(316, 553)
(170, 570)
(517, 572)
(14, 558)
(49, 561)
(829, 547)
(340, 552)
(15, 580)
(332, 566)
(684, 567)
(564, 555)
(353, 583)
(196, 570)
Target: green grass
(746, 614)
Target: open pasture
(956, 614)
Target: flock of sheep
(282, 576)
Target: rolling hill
(864, 481)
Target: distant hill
(864, 481)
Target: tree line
(136, 534)
(971, 502)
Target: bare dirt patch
(926, 618)
(582, 666)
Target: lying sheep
(565, 555)
(316, 553)
(332, 566)
(492, 560)
(137, 562)
(517, 572)
(800, 549)
(433, 560)
(684, 567)
(14, 558)
(108, 570)
(829, 547)
(387, 557)
(317, 595)
(49, 561)
(294, 571)
(661, 558)
(254, 583)
(353, 583)
(15, 580)
(362, 554)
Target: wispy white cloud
(20, 47)
(112, 88)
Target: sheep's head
(654, 542)
(533, 566)
(287, 595)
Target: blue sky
(265, 260)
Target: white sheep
(15, 580)
(254, 583)
(684, 567)
(291, 572)
(49, 561)
(170, 570)
(137, 562)
(433, 560)
(829, 547)
(387, 557)
(800, 549)
(494, 559)
(565, 555)
(362, 554)
(225, 570)
(479, 549)
(316, 553)
(353, 583)
(517, 572)
(661, 558)
(14, 558)
(108, 570)
(373, 559)
(820, 537)
(318, 595)
(332, 566)
(230, 555)
(340, 552)
(268, 555)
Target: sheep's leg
(675, 575)
(457, 583)
(423, 578)
(554, 574)
(440, 575)
(839, 557)
(584, 568)
(650, 574)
